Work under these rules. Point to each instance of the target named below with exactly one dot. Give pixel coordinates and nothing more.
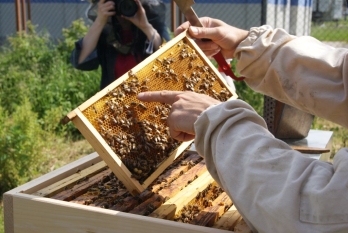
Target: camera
(125, 7)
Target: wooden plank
(108, 155)
(57, 175)
(79, 194)
(38, 214)
(175, 154)
(177, 185)
(128, 203)
(229, 219)
(68, 118)
(64, 183)
(310, 150)
(81, 188)
(106, 189)
(151, 202)
(148, 206)
(8, 213)
(209, 215)
(175, 172)
(58, 216)
(175, 204)
(42, 182)
(84, 199)
(147, 201)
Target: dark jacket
(105, 54)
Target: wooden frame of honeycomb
(132, 137)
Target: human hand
(224, 37)
(186, 107)
(105, 9)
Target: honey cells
(136, 131)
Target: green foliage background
(38, 88)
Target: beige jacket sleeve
(275, 188)
(299, 71)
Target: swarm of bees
(203, 200)
(108, 192)
(137, 132)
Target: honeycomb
(137, 131)
(203, 200)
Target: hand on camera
(105, 9)
(139, 19)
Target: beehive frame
(120, 128)
(27, 209)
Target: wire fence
(323, 19)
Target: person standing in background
(118, 41)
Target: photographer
(123, 33)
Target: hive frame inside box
(26, 212)
(105, 151)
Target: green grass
(330, 31)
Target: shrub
(77, 30)
(251, 97)
(21, 143)
(247, 94)
(33, 67)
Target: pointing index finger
(167, 97)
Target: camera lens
(127, 8)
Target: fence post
(18, 15)
(21, 14)
(173, 15)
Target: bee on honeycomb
(137, 132)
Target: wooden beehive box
(132, 137)
(86, 197)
